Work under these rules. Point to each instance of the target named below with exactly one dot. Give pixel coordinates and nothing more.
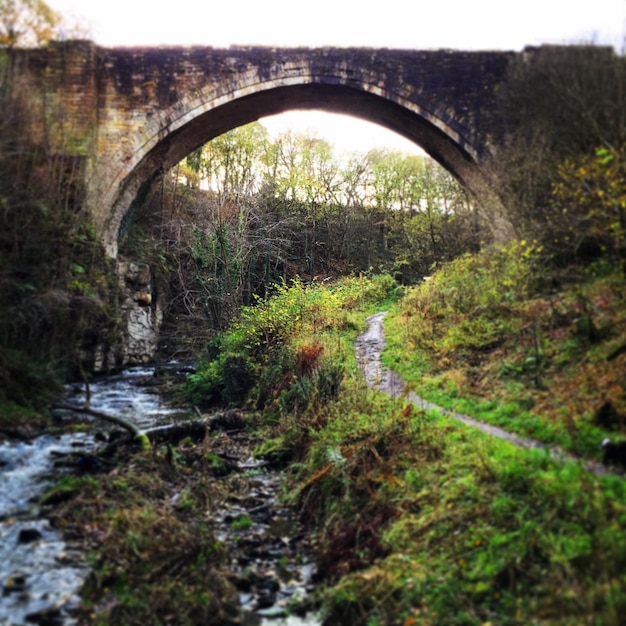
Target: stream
(41, 575)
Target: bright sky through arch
(412, 24)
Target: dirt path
(369, 346)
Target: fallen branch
(229, 421)
(113, 419)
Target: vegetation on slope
(420, 520)
(527, 336)
(416, 518)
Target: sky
(412, 24)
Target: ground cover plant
(415, 518)
(423, 521)
(539, 352)
(420, 520)
(153, 554)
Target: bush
(262, 361)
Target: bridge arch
(179, 130)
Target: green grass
(542, 373)
(415, 518)
(474, 531)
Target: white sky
(413, 24)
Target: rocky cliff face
(141, 314)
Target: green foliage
(482, 338)
(67, 487)
(588, 216)
(241, 523)
(480, 531)
(261, 360)
(468, 298)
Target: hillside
(502, 338)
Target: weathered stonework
(141, 314)
(130, 114)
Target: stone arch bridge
(127, 115)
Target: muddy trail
(369, 347)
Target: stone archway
(438, 140)
(125, 115)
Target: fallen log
(229, 421)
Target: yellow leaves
(27, 23)
(590, 194)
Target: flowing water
(41, 575)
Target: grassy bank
(499, 338)
(416, 519)
(420, 520)
(423, 521)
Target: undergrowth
(416, 519)
(424, 521)
(153, 555)
(497, 337)
(288, 349)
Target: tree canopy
(32, 23)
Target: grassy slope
(488, 339)
(420, 520)
(417, 519)
(424, 521)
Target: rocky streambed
(270, 561)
